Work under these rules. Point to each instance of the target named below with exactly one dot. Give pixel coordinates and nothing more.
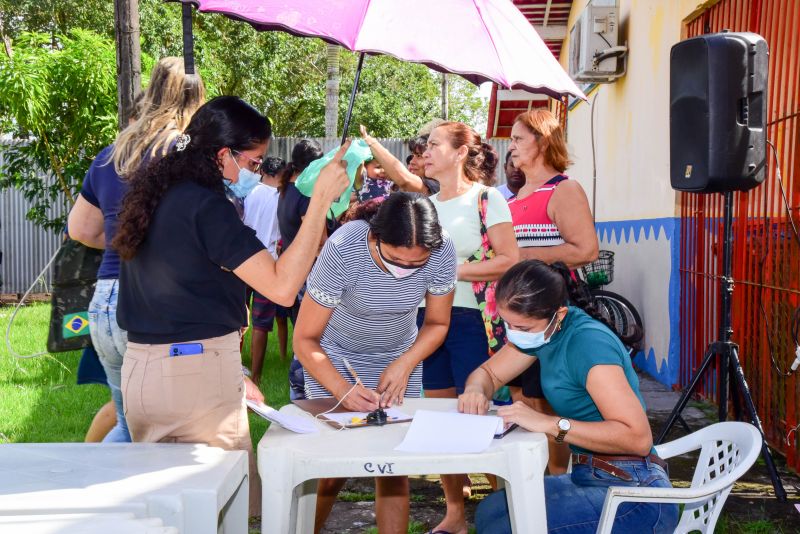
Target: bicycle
(620, 314)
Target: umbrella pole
(352, 97)
(188, 39)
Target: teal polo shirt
(580, 344)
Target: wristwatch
(563, 427)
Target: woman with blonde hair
(165, 111)
(162, 113)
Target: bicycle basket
(601, 271)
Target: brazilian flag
(75, 324)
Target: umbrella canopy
(480, 40)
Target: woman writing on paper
(588, 379)
(364, 291)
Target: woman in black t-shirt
(187, 260)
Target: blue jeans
(574, 502)
(297, 381)
(110, 342)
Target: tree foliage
(57, 90)
(59, 105)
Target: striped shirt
(374, 314)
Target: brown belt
(601, 462)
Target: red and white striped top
(532, 225)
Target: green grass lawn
(41, 402)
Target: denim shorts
(110, 342)
(574, 502)
(464, 349)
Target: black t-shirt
(179, 286)
(292, 206)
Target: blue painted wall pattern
(659, 361)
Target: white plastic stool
(98, 523)
(290, 465)
(193, 488)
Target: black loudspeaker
(717, 112)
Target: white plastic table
(194, 488)
(290, 464)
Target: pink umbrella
(480, 40)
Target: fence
(766, 261)
(26, 248)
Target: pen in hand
(352, 371)
(367, 395)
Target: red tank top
(532, 225)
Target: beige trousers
(190, 399)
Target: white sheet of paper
(301, 425)
(346, 418)
(450, 433)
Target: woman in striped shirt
(364, 291)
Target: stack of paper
(450, 433)
(301, 425)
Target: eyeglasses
(253, 163)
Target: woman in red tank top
(551, 214)
(552, 222)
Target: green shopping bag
(357, 154)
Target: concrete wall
(636, 210)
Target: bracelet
(492, 376)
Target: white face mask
(530, 340)
(398, 271)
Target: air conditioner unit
(594, 51)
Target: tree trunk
(129, 57)
(445, 97)
(332, 93)
(6, 40)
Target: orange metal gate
(766, 255)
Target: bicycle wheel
(621, 314)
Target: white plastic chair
(728, 450)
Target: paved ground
(751, 506)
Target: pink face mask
(396, 270)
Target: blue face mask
(248, 180)
(529, 340)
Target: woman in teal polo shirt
(588, 379)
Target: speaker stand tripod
(729, 366)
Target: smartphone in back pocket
(185, 349)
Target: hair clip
(182, 142)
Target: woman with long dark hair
(161, 114)
(360, 310)
(552, 222)
(588, 379)
(187, 260)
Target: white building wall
(636, 210)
